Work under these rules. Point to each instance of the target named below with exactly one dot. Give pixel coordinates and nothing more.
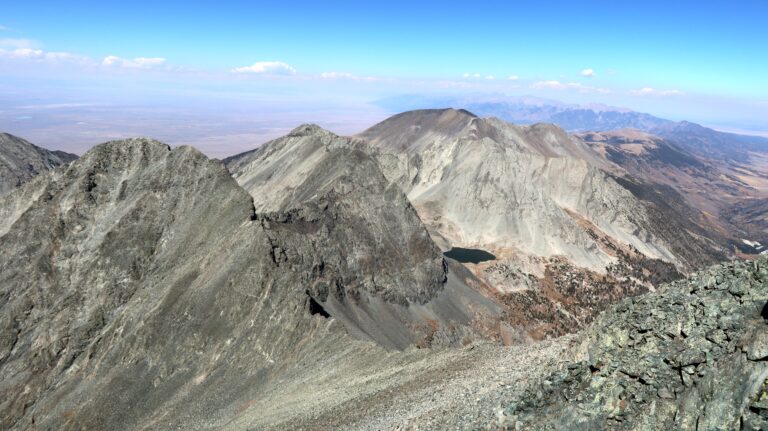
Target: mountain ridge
(20, 161)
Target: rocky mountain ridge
(20, 161)
(145, 275)
(545, 203)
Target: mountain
(299, 287)
(530, 110)
(691, 356)
(141, 289)
(489, 184)
(712, 143)
(379, 229)
(571, 118)
(716, 191)
(524, 110)
(568, 233)
(532, 226)
(20, 161)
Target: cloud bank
(648, 91)
(267, 68)
(136, 63)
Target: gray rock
(20, 161)
(140, 289)
(692, 380)
(757, 349)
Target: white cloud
(39, 54)
(513, 77)
(557, 85)
(490, 77)
(589, 73)
(475, 75)
(18, 43)
(345, 75)
(648, 91)
(136, 63)
(267, 68)
(336, 75)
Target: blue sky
(698, 60)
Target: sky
(226, 75)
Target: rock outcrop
(20, 161)
(692, 356)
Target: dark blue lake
(469, 255)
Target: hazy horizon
(230, 76)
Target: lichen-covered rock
(691, 356)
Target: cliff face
(692, 356)
(20, 161)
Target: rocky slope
(20, 161)
(485, 183)
(571, 230)
(144, 275)
(714, 192)
(313, 168)
(692, 356)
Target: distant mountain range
(593, 118)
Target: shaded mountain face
(144, 275)
(751, 216)
(20, 161)
(707, 184)
(691, 356)
(712, 143)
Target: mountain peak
(309, 129)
